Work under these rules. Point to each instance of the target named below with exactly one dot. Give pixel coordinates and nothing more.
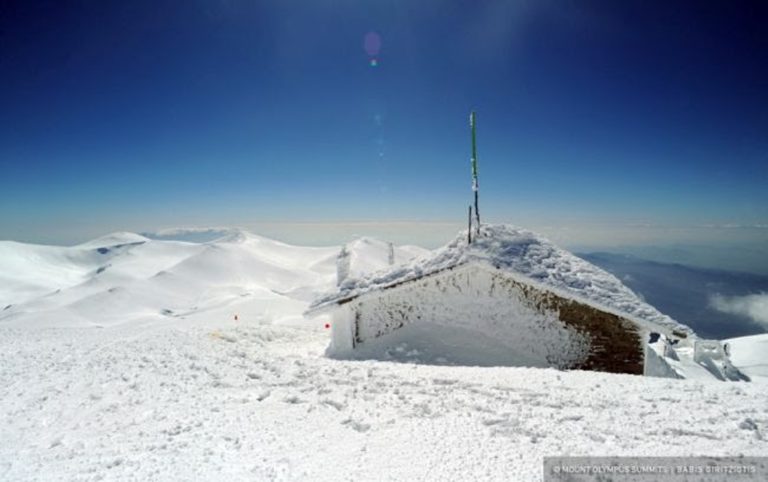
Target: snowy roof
(523, 254)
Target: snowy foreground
(121, 358)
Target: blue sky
(142, 115)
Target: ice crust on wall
(468, 300)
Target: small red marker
(327, 325)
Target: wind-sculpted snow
(207, 399)
(525, 254)
(115, 239)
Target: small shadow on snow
(107, 249)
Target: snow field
(260, 401)
(141, 372)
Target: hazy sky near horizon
(141, 115)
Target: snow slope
(367, 255)
(750, 354)
(141, 372)
(28, 271)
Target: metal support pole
(469, 226)
(475, 184)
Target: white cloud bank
(754, 306)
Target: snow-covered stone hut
(548, 307)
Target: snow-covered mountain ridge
(122, 277)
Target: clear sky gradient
(139, 115)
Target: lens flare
(372, 44)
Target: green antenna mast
(475, 185)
